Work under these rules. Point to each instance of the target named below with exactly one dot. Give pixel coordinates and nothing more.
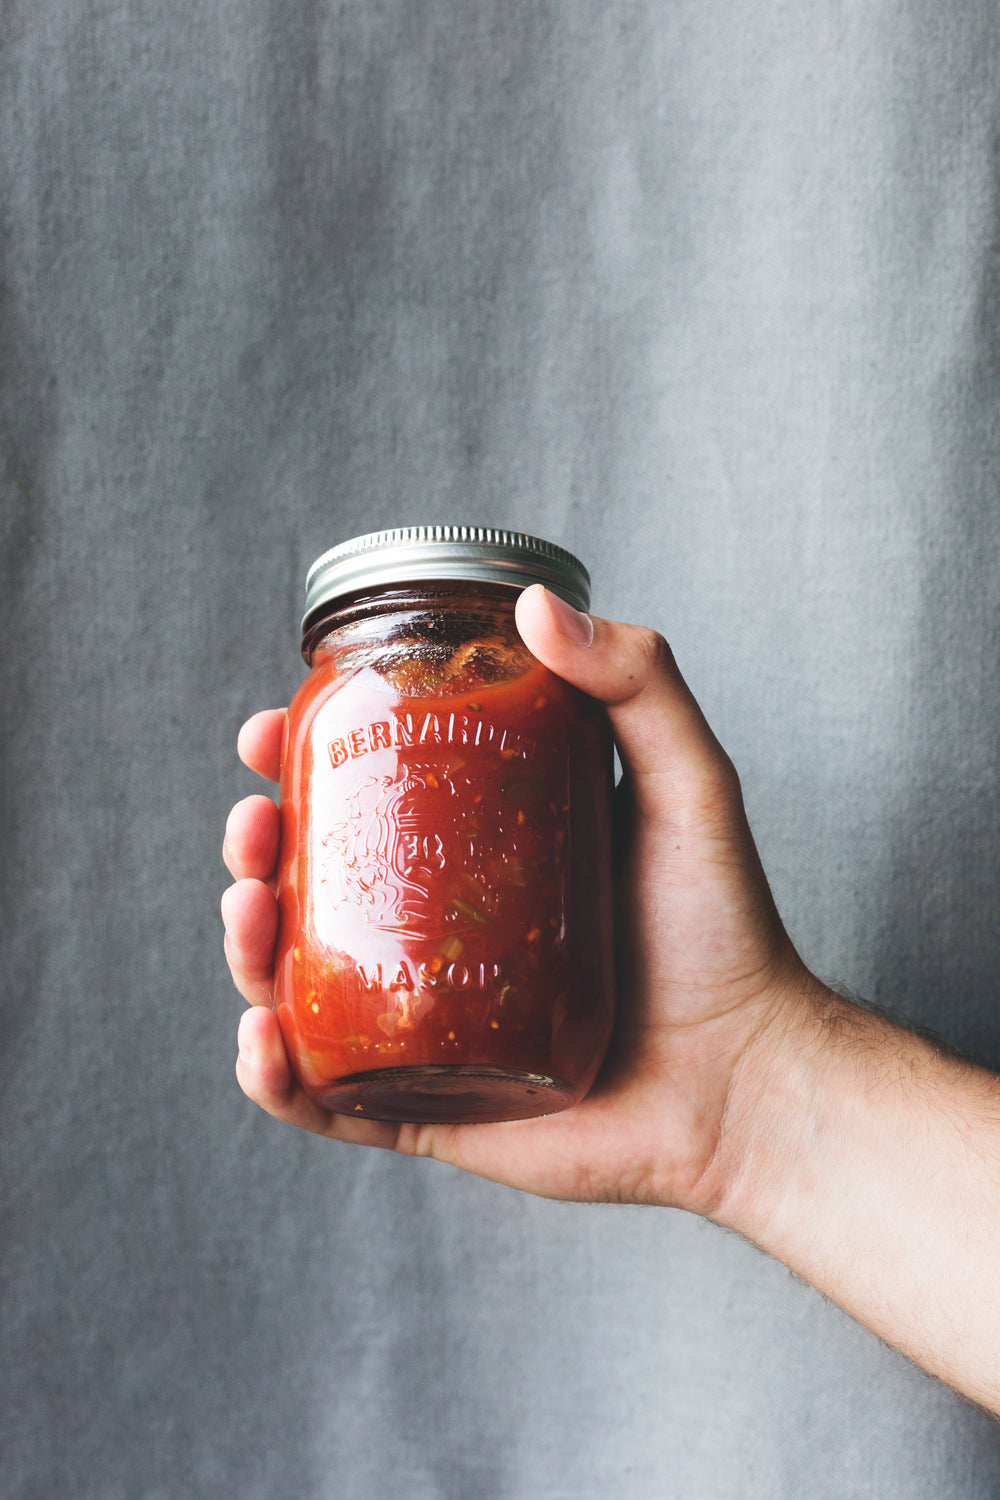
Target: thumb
(663, 738)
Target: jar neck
(447, 612)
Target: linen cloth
(704, 291)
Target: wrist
(771, 1102)
(862, 1156)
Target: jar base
(448, 1094)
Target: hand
(705, 965)
(737, 1086)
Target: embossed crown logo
(386, 858)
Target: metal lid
(420, 554)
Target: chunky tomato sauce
(444, 948)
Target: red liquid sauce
(444, 950)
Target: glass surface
(444, 949)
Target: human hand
(737, 1086)
(705, 965)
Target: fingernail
(224, 905)
(571, 623)
(243, 1042)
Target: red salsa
(445, 947)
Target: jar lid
(422, 554)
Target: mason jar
(445, 938)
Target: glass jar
(445, 945)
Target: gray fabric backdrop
(705, 290)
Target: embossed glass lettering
(400, 732)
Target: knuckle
(717, 796)
(654, 649)
(725, 779)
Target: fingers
(264, 1075)
(662, 735)
(250, 915)
(259, 742)
(250, 847)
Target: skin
(737, 1087)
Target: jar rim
(412, 554)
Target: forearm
(868, 1161)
